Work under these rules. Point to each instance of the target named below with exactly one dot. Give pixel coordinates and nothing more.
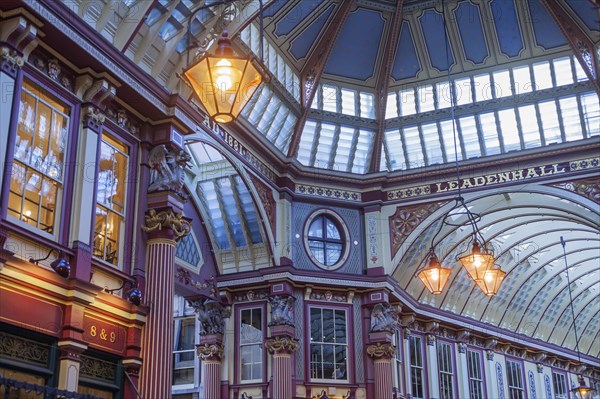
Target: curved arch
(200, 170)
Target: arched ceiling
(361, 86)
(525, 229)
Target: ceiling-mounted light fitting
(491, 281)
(224, 82)
(478, 261)
(435, 276)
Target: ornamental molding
(326, 192)
(406, 219)
(251, 296)
(210, 351)
(281, 344)
(328, 296)
(265, 194)
(10, 60)
(510, 176)
(380, 350)
(589, 188)
(166, 219)
(93, 118)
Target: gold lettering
(113, 336)
(93, 331)
(103, 334)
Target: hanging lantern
(223, 82)
(491, 281)
(583, 391)
(477, 262)
(435, 276)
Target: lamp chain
(562, 242)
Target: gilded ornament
(281, 344)
(379, 350)
(166, 219)
(207, 351)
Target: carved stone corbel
(18, 38)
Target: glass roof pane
(363, 151)
(470, 138)
(462, 88)
(344, 145)
(509, 129)
(433, 147)
(502, 83)
(579, 72)
(248, 210)
(563, 71)
(395, 150)
(283, 140)
(426, 99)
(326, 135)
(367, 108)
(529, 124)
(391, 105)
(329, 98)
(306, 142)
(490, 133)
(551, 127)
(522, 78)
(412, 140)
(407, 102)
(483, 87)
(543, 77)
(229, 206)
(591, 113)
(208, 196)
(571, 118)
(448, 138)
(348, 102)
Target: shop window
(559, 382)
(184, 351)
(109, 226)
(475, 370)
(40, 150)
(328, 344)
(417, 369)
(251, 339)
(99, 375)
(446, 370)
(515, 379)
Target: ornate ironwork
(23, 349)
(98, 368)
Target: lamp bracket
(132, 282)
(36, 261)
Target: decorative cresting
(281, 344)
(384, 317)
(210, 351)
(282, 310)
(157, 220)
(406, 219)
(211, 315)
(381, 350)
(167, 170)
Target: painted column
(382, 354)
(281, 346)
(211, 353)
(432, 366)
(463, 371)
(490, 375)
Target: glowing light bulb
(27, 213)
(477, 261)
(435, 275)
(224, 80)
(488, 277)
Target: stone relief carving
(167, 170)
(381, 350)
(281, 344)
(168, 219)
(589, 188)
(282, 311)
(384, 317)
(405, 220)
(211, 315)
(207, 351)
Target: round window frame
(344, 235)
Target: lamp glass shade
(477, 262)
(224, 84)
(491, 281)
(435, 276)
(583, 391)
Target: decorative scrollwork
(168, 219)
(380, 350)
(23, 349)
(96, 368)
(210, 351)
(281, 344)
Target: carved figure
(210, 314)
(282, 311)
(384, 317)
(167, 169)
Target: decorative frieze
(93, 118)
(157, 220)
(185, 277)
(97, 368)
(589, 188)
(404, 221)
(281, 344)
(380, 350)
(122, 119)
(328, 296)
(10, 61)
(210, 351)
(431, 339)
(250, 296)
(326, 192)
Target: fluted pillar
(382, 354)
(281, 347)
(211, 353)
(164, 226)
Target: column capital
(93, 118)
(158, 219)
(281, 344)
(462, 347)
(381, 350)
(70, 349)
(210, 351)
